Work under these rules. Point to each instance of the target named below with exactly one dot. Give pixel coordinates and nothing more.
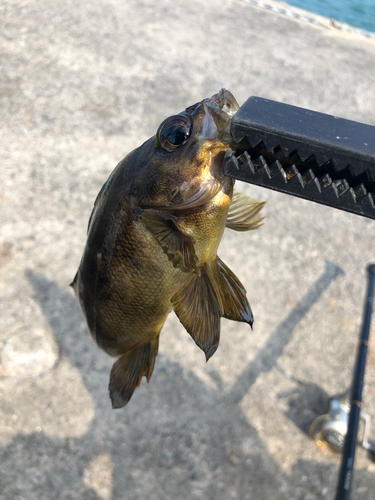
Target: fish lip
(221, 107)
(224, 101)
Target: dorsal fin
(243, 213)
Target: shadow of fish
(152, 244)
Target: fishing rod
(347, 463)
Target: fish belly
(133, 287)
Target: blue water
(358, 13)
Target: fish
(152, 244)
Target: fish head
(181, 167)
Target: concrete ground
(82, 84)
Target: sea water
(358, 13)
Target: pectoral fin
(176, 244)
(243, 213)
(233, 295)
(128, 370)
(198, 307)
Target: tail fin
(128, 370)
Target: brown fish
(152, 244)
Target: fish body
(152, 244)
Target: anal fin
(243, 213)
(198, 307)
(128, 370)
(233, 294)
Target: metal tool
(315, 156)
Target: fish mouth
(208, 189)
(219, 110)
(222, 106)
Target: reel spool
(331, 429)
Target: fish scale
(311, 155)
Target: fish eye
(173, 132)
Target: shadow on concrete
(180, 439)
(278, 340)
(305, 403)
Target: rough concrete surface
(82, 84)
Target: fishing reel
(331, 428)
